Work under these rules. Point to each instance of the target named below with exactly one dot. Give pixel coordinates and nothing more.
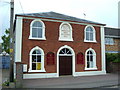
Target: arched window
(89, 34)
(36, 60)
(90, 59)
(65, 52)
(50, 58)
(37, 30)
(65, 32)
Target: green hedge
(113, 57)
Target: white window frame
(60, 36)
(43, 30)
(109, 41)
(42, 60)
(94, 34)
(94, 59)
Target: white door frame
(73, 58)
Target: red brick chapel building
(51, 44)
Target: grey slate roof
(54, 15)
(112, 32)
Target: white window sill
(37, 38)
(36, 71)
(90, 68)
(90, 41)
(65, 39)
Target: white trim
(103, 49)
(61, 21)
(41, 75)
(89, 73)
(94, 34)
(14, 70)
(73, 59)
(90, 41)
(94, 60)
(18, 39)
(111, 36)
(43, 30)
(37, 38)
(42, 60)
(24, 67)
(90, 68)
(62, 38)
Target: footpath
(96, 81)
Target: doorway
(65, 62)
(65, 65)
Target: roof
(112, 32)
(54, 15)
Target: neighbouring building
(51, 44)
(112, 40)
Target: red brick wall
(52, 44)
(114, 47)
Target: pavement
(109, 80)
(4, 76)
(96, 81)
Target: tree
(6, 41)
(0, 48)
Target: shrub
(113, 57)
(6, 83)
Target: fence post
(19, 74)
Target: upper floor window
(65, 32)
(36, 60)
(90, 35)
(109, 41)
(37, 30)
(90, 59)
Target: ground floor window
(90, 59)
(36, 60)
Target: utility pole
(11, 41)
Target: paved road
(73, 82)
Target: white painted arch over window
(90, 58)
(37, 30)
(65, 32)
(72, 53)
(89, 34)
(42, 59)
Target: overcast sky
(102, 11)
